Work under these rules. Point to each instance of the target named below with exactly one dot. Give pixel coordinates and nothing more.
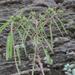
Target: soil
(64, 47)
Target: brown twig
(40, 64)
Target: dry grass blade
(58, 27)
(40, 64)
(51, 34)
(62, 24)
(33, 68)
(15, 58)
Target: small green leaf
(3, 26)
(48, 58)
(18, 54)
(9, 47)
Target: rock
(60, 49)
(60, 40)
(59, 1)
(68, 0)
(9, 1)
(69, 4)
(58, 65)
(49, 3)
(59, 58)
(27, 2)
(66, 52)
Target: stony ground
(64, 47)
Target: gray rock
(66, 52)
(59, 1)
(61, 40)
(49, 3)
(69, 4)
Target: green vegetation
(32, 27)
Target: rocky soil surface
(64, 47)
